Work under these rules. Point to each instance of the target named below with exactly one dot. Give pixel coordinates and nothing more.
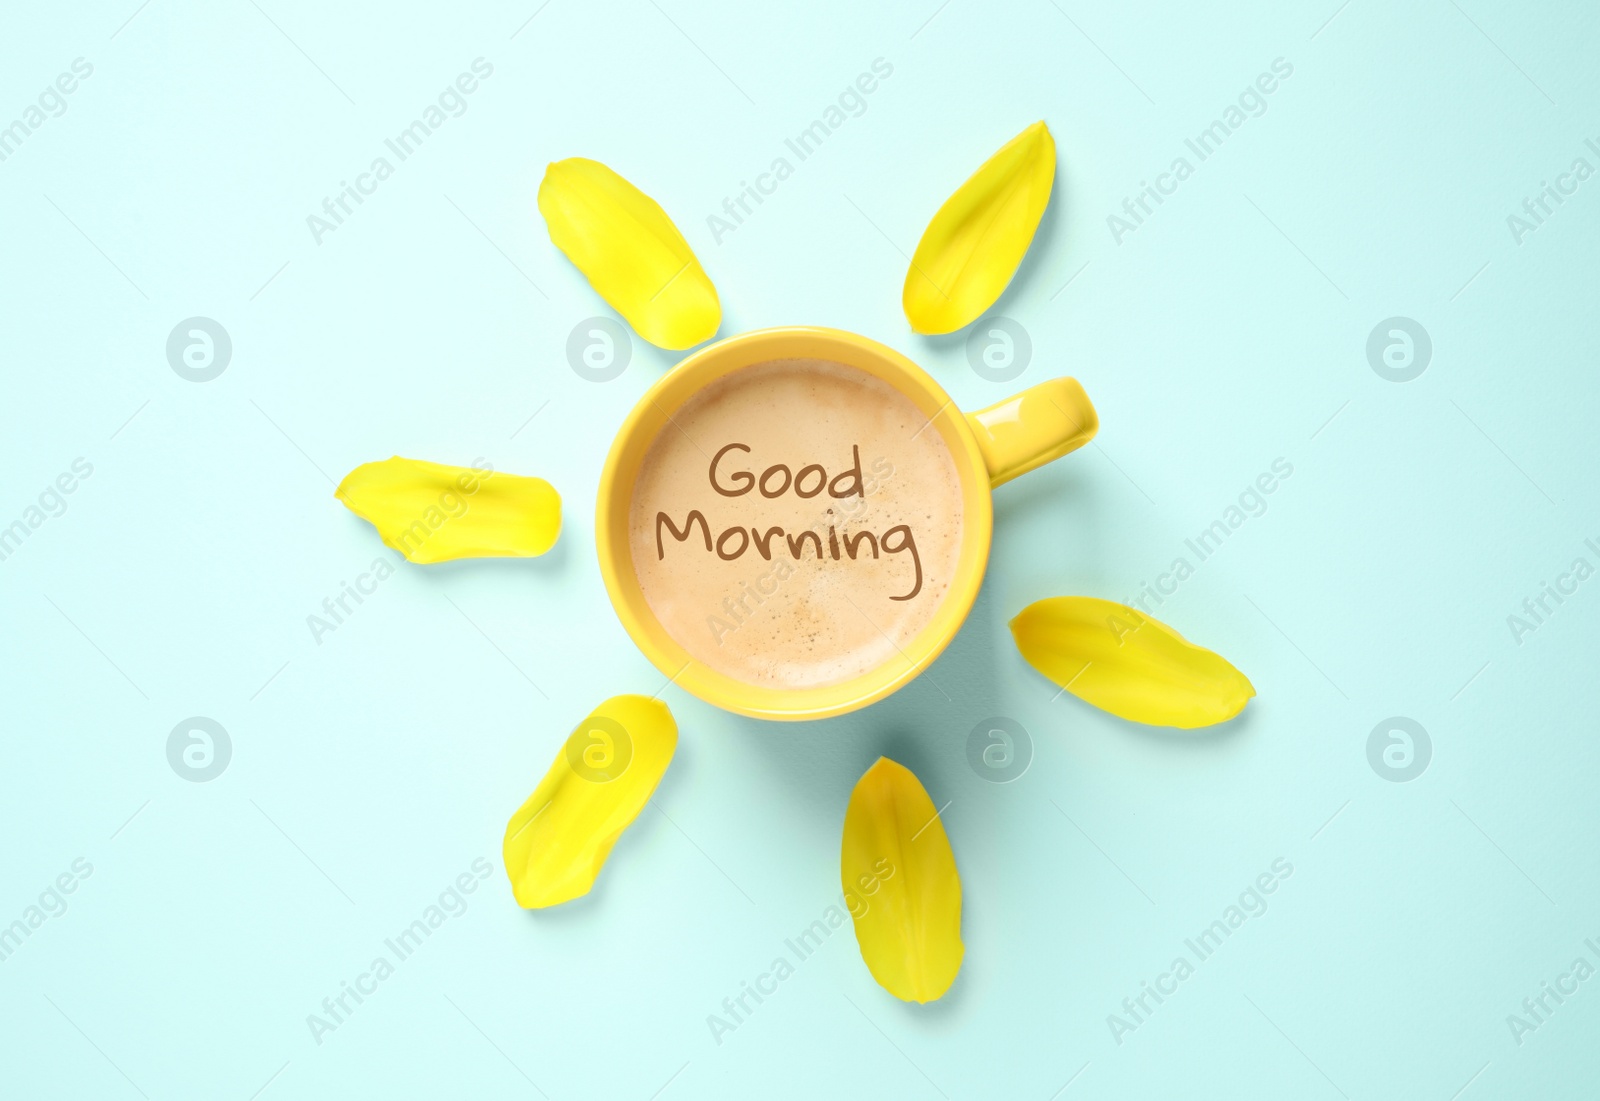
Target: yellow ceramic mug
(989, 447)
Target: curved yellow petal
(434, 513)
(1122, 661)
(632, 254)
(971, 249)
(558, 840)
(896, 863)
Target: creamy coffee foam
(796, 523)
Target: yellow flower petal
(971, 249)
(632, 254)
(1122, 661)
(558, 840)
(433, 513)
(896, 863)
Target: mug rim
(637, 433)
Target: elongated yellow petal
(1122, 661)
(897, 867)
(558, 840)
(971, 249)
(632, 254)
(434, 513)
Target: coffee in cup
(796, 523)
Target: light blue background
(371, 769)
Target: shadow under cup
(653, 414)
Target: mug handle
(1032, 428)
